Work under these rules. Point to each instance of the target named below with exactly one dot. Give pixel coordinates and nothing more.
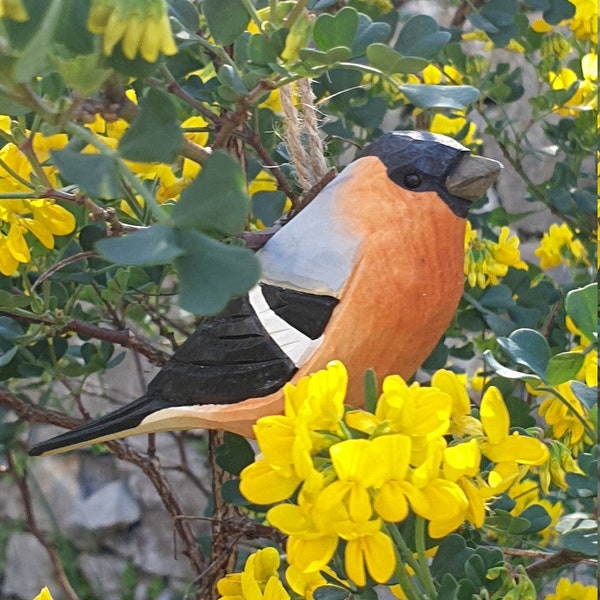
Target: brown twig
(560, 559)
(69, 260)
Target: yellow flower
(487, 261)
(258, 581)
(141, 26)
(393, 452)
(455, 126)
(573, 590)
(462, 423)
(42, 218)
(313, 412)
(585, 96)
(481, 36)
(560, 246)
(44, 594)
(500, 445)
(13, 9)
(566, 425)
(304, 584)
(508, 451)
(312, 537)
(584, 23)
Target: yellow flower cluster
(19, 217)
(141, 26)
(573, 590)
(563, 412)
(353, 472)
(13, 9)
(487, 261)
(171, 179)
(585, 94)
(584, 23)
(560, 246)
(258, 581)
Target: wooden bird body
(370, 273)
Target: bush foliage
(148, 145)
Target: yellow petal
(519, 448)
(261, 484)
(309, 555)
(494, 415)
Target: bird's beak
(472, 177)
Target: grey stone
(111, 508)
(104, 572)
(155, 547)
(54, 489)
(28, 568)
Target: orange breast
(399, 299)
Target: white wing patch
(297, 346)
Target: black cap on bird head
(421, 161)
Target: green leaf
(451, 557)
(581, 306)
(185, 13)
(227, 19)
(262, 51)
(529, 348)
(82, 73)
(229, 77)
(369, 33)
(497, 19)
(389, 61)
(156, 245)
(8, 355)
(497, 296)
(331, 31)
(330, 592)
(475, 570)
(503, 371)
(155, 134)
(538, 518)
(314, 58)
(212, 273)
(216, 201)
(582, 540)
(371, 390)
(36, 57)
(563, 367)
(587, 395)
(421, 36)
(440, 96)
(504, 521)
(268, 206)
(234, 453)
(96, 174)
(230, 492)
(8, 106)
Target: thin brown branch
(253, 139)
(69, 260)
(124, 337)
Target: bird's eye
(412, 181)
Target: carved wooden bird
(370, 273)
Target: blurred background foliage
(148, 146)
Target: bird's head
(420, 161)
